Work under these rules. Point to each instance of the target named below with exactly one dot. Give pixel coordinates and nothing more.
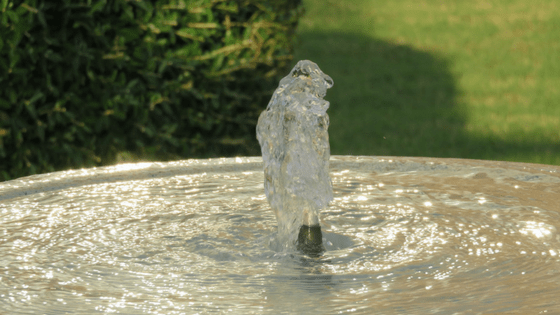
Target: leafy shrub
(81, 81)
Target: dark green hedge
(81, 82)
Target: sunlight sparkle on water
(538, 229)
(131, 166)
(203, 242)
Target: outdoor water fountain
(400, 236)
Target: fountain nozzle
(310, 240)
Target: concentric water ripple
(403, 236)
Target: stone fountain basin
(403, 235)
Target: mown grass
(464, 79)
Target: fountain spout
(294, 140)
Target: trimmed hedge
(82, 81)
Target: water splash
(294, 140)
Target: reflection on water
(404, 236)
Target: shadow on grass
(390, 99)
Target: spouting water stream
(294, 140)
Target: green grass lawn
(466, 79)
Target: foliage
(81, 80)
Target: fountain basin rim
(146, 170)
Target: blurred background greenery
(464, 79)
(94, 83)
(85, 83)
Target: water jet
(294, 140)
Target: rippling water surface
(403, 236)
